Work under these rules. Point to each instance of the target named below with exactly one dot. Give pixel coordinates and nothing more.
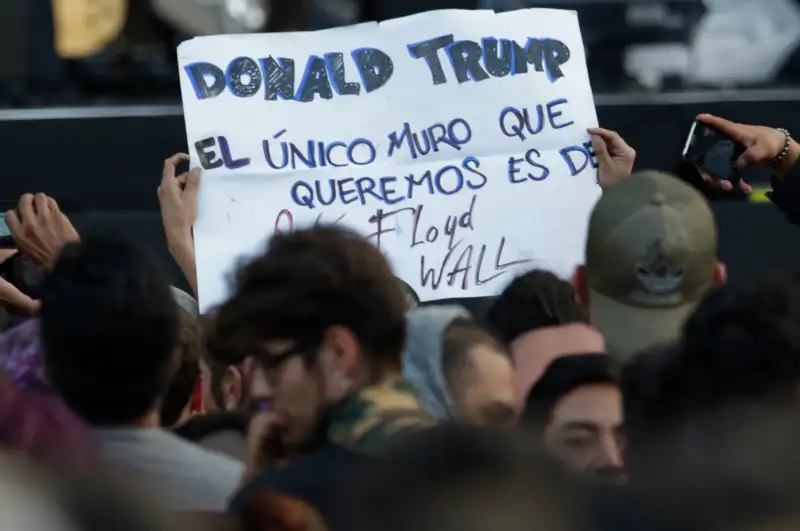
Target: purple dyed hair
(38, 426)
(21, 358)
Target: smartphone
(713, 152)
(6, 241)
(22, 273)
(4, 207)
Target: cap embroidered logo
(656, 274)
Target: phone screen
(4, 230)
(713, 152)
(4, 207)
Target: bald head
(534, 351)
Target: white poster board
(455, 140)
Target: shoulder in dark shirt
(313, 479)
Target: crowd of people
(645, 393)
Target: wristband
(785, 149)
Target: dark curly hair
(742, 345)
(533, 300)
(308, 281)
(109, 326)
(653, 410)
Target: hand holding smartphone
(16, 269)
(713, 152)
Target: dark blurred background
(79, 52)
(90, 102)
(103, 73)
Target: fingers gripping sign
(614, 156)
(177, 197)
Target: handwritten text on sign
(463, 157)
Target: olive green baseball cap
(651, 255)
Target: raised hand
(614, 155)
(40, 229)
(762, 146)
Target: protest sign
(455, 140)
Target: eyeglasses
(271, 363)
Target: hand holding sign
(177, 200)
(614, 156)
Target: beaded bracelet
(785, 149)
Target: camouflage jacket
(303, 493)
(365, 421)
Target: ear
(344, 347)
(579, 285)
(247, 367)
(177, 357)
(720, 274)
(232, 387)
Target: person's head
(185, 301)
(458, 477)
(479, 373)
(576, 407)
(538, 316)
(742, 345)
(532, 301)
(459, 370)
(224, 370)
(423, 357)
(224, 386)
(651, 255)
(739, 375)
(652, 406)
(534, 351)
(323, 314)
(412, 299)
(177, 401)
(109, 328)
